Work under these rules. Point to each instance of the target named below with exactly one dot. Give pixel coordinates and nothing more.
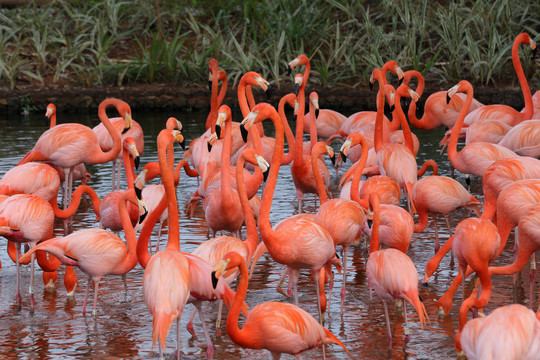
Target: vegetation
(89, 43)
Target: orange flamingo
(437, 112)
(68, 145)
(509, 332)
(476, 157)
(275, 326)
(440, 195)
(166, 280)
(316, 244)
(95, 251)
(391, 273)
(342, 218)
(327, 122)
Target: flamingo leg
(86, 295)
(316, 275)
(118, 174)
(343, 290)
(18, 251)
(125, 287)
(293, 278)
(31, 288)
(406, 329)
(300, 198)
(387, 318)
(210, 347)
(113, 175)
(451, 234)
(178, 332)
(218, 321)
(279, 288)
(532, 274)
(159, 235)
(96, 286)
(189, 325)
(436, 228)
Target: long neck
(233, 329)
(144, 237)
(374, 243)
(527, 97)
(286, 159)
(75, 202)
(317, 150)
(129, 168)
(173, 242)
(299, 151)
(226, 194)
(183, 164)
(404, 125)
(242, 100)
(265, 227)
(452, 142)
(223, 89)
(378, 136)
(214, 103)
(355, 184)
(53, 120)
(130, 260)
(419, 123)
(312, 127)
(251, 226)
(102, 157)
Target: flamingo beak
(296, 88)
(219, 270)
(289, 70)
(214, 279)
(143, 211)
(209, 85)
(264, 166)
(128, 121)
(137, 162)
(218, 131)
(244, 132)
(268, 93)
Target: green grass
(90, 43)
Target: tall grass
(120, 42)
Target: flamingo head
(220, 268)
(128, 121)
(345, 149)
(263, 165)
(51, 110)
(247, 123)
(173, 123)
(179, 138)
(450, 93)
(314, 99)
(300, 60)
(331, 153)
(298, 80)
(143, 211)
(213, 138)
(131, 148)
(139, 183)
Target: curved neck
(130, 260)
(299, 152)
(226, 195)
(214, 103)
(75, 202)
(291, 142)
(251, 226)
(404, 125)
(223, 89)
(419, 123)
(312, 126)
(265, 227)
(102, 157)
(374, 243)
(355, 184)
(378, 136)
(527, 97)
(173, 242)
(452, 142)
(246, 101)
(233, 329)
(318, 149)
(129, 167)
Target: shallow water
(57, 329)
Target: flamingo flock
(238, 165)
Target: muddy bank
(170, 96)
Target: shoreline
(168, 96)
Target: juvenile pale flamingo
(166, 280)
(474, 158)
(97, 252)
(509, 332)
(342, 218)
(392, 273)
(313, 247)
(275, 326)
(68, 145)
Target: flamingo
(97, 252)
(524, 138)
(313, 247)
(437, 112)
(437, 195)
(391, 273)
(509, 332)
(275, 326)
(342, 218)
(68, 145)
(327, 122)
(476, 157)
(166, 279)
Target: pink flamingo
(327, 122)
(391, 273)
(342, 218)
(166, 280)
(524, 138)
(275, 326)
(315, 241)
(437, 112)
(95, 251)
(68, 145)
(474, 158)
(509, 332)
(440, 195)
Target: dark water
(122, 329)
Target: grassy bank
(114, 43)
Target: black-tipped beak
(392, 108)
(244, 132)
(143, 216)
(138, 192)
(447, 99)
(137, 162)
(268, 93)
(209, 85)
(209, 146)
(370, 223)
(343, 156)
(333, 159)
(337, 255)
(218, 131)
(183, 144)
(370, 86)
(400, 81)
(214, 279)
(125, 130)
(265, 174)
(425, 284)
(289, 70)
(296, 89)
(316, 113)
